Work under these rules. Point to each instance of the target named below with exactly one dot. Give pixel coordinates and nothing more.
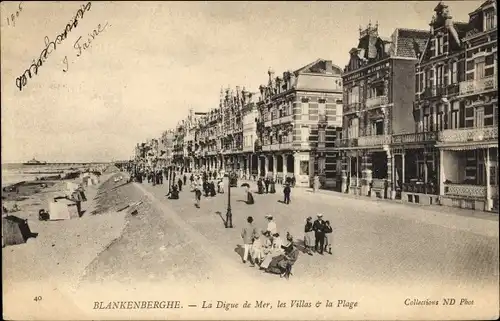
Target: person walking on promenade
(220, 186)
(319, 228)
(328, 237)
(286, 191)
(179, 182)
(293, 181)
(308, 236)
(258, 248)
(316, 183)
(266, 183)
(191, 179)
(272, 186)
(260, 186)
(197, 195)
(185, 179)
(247, 234)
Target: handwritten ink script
(50, 46)
(11, 20)
(82, 45)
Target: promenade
(376, 242)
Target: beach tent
(59, 211)
(73, 208)
(15, 230)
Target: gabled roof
(410, 42)
(320, 63)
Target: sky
(150, 62)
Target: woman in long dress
(276, 250)
(308, 236)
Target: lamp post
(169, 170)
(229, 214)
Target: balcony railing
(468, 134)
(322, 118)
(377, 101)
(478, 85)
(352, 108)
(465, 190)
(420, 188)
(347, 142)
(286, 119)
(266, 148)
(321, 145)
(275, 147)
(414, 137)
(374, 140)
(268, 123)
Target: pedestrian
(308, 236)
(271, 225)
(328, 237)
(316, 183)
(197, 195)
(258, 248)
(260, 186)
(250, 199)
(220, 185)
(286, 192)
(179, 182)
(266, 183)
(272, 186)
(185, 179)
(247, 234)
(293, 181)
(319, 234)
(212, 189)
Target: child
(328, 239)
(257, 249)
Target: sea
(16, 172)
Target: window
(439, 121)
(454, 73)
(455, 119)
(321, 135)
(353, 128)
(439, 76)
(305, 108)
(490, 20)
(322, 108)
(479, 117)
(479, 69)
(427, 123)
(305, 134)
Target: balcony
(322, 119)
(475, 191)
(414, 138)
(275, 147)
(352, 108)
(347, 142)
(266, 148)
(268, 123)
(286, 119)
(375, 140)
(377, 101)
(475, 86)
(321, 145)
(463, 135)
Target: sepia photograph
(253, 160)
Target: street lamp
(229, 214)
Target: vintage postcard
(249, 160)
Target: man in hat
(319, 229)
(286, 192)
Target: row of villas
(287, 128)
(421, 113)
(411, 117)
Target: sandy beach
(61, 251)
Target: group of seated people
(274, 255)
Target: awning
(462, 146)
